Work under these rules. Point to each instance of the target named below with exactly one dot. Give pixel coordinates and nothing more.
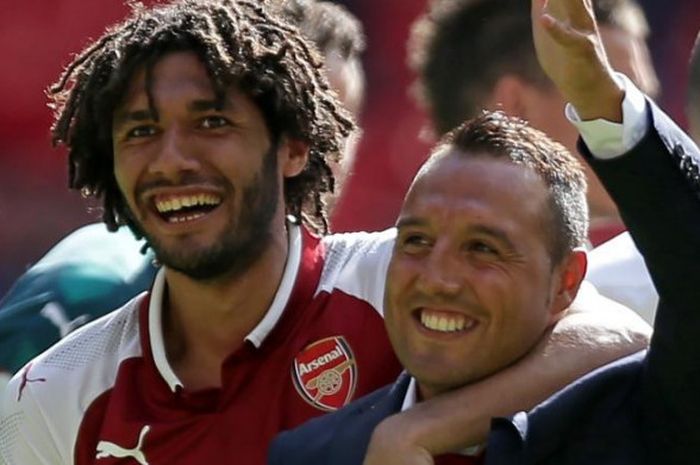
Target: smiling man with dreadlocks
(207, 127)
(92, 271)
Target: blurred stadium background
(36, 38)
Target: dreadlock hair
(339, 37)
(499, 136)
(459, 49)
(240, 42)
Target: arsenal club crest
(325, 373)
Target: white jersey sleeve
(44, 404)
(27, 436)
(617, 270)
(356, 264)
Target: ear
(568, 278)
(508, 95)
(293, 154)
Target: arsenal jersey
(107, 395)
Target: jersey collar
(256, 336)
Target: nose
(174, 156)
(441, 274)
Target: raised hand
(571, 53)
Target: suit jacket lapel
(349, 444)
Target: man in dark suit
(491, 294)
(474, 54)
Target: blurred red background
(38, 37)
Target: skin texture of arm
(570, 51)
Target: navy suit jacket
(642, 409)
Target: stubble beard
(244, 240)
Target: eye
(141, 131)
(414, 243)
(213, 122)
(482, 247)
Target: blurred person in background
(93, 271)
(474, 54)
(340, 38)
(692, 103)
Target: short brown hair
(497, 135)
(459, 49)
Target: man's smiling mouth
(180, 208)
(445, 322)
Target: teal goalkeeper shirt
(87, 274)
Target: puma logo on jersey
(57, 315)
(26, 380)
(107, 449)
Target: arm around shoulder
(594, 332)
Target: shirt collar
(409, 399)
(256, 336)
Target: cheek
(493, 287)
(399, 282)
(121, 175)
(126, 173)
(390, 293)
(510, 296)
(525, 308)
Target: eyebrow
(496, 233)
(197, 106)
(137, 115)
(404, 222)
(206, 105)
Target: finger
(536, 12)
(580, 14)
(556, 9)
(538, 8)
(561, 32)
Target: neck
(205, 321)
(425, 392)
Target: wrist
(603, 101)
(396, 429)
(393, 443)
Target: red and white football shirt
(107, 395)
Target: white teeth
(445, 324)
(182, 219)
(178, 203)
(433, 321)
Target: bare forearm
(579, 343)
